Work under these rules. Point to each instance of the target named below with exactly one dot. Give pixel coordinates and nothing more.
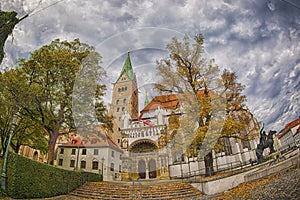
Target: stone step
(115, 190)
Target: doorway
(152, 168)
(142, 169)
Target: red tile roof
(97, 138)
(288, 127)
(169, 101)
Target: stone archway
(143, 146)
(142, 169)
(152, 168)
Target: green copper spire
(146, 100)
(127, 68)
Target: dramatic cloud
(259, 40)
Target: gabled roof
(92, 140)
(169, 101)
(127, 68)
(289, 126)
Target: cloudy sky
(258, 39)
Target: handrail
(228, 167)
(141, 194)
(132, 192)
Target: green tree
(51, 71)
(205, 94)
(8, 21)
(26, 132)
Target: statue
(265, 141)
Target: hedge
(31, 179)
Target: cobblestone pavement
(283, 186)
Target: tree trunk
(208, 161)
(51, 146)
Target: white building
(289, 137)
(95, 153)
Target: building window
(72, 163)
(96, 151)
(119, 89)
(124, 101)
(118, 109)
(120, 168)
(112, 167)
(60, 162)
(112, 154)
(95, 165)
(125, 88)
(62, 150)
(117, 102)
(123, 108)
(73, 152)
(83, 151)
(82, 164)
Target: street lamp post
(4, 168)
(102, 168)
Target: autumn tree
(205, 96)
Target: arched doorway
(152, 168)
(142, 169)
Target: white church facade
(142, 136)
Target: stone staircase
(160, 190)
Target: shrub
(31, 179)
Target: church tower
(125, 94)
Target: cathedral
(142, 136)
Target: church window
(119, 89)
(72, 163)
(118, 109)
(82, 164)
(123, 108)
(112, 167)
(124, 101)
(227, 146)
(83, 151)
(117, 102)
(178, 157)
(125, 88)
(95, 165)
(246, 144)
